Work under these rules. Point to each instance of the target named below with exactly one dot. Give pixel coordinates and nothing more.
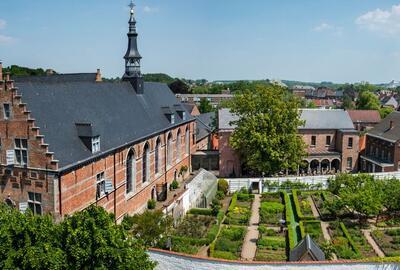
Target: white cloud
(2, 24)
(149, 9)
(5, 39)
(326, 27)
(386, 22)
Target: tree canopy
(205, 106)
(24, 71)
(266, 134)
(368, 101)
(87, 240)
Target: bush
(174, 184)
(215, 207)
(262, 229)
(288, 208)
(151, 204)
(223, 186)
(201, 211)
(233, 203)
(224, 255)
(291, 235)
(220, 195)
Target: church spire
(132, 56)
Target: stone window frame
(100, 185)
(157, 151)
(313, 143)
(95, 144)
(146, 163)
(21, 151)
(35, 202)
(178, 145)
(132, 188)
(350, 142)
(349, 163)
(328, 140)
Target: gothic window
(187, 141)
(169, 150)
(146, 163)
(130, 172)
(178, 145)
(157, 156)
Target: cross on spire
(132, 6)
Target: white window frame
(21, 151)
(96, 144)
(100, 185)
(33, 203)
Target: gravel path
(374, 245)
(250, 241)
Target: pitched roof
(204, 124)
(314, 119)
(383, 129)
(326, 119)
(113, 109)
(390, 101)
(307, 245)
(366, 116)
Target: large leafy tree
(368, 101)
(266, 133)
(205, 106)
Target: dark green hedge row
(347, 235)
(298, 209)
(288, 207)
(201, 211)
(233, 202)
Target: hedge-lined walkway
(249, 247)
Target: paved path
(250, 241)
(374, 245)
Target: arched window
(130, 172)
(187, 141)
(146, 163)
(157, 156)
(169, 150)
(178, 145)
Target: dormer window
(181, 111)
(169, 114)
(96, 144)
(172, 118)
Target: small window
(172, 118)
(7, 111)
(328, 140)
(313, 141)
(35, 202)
(95, 144)
(101, 185)
(349, 162)
(183, 116)
(21, 151)
(350, 143)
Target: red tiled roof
(369, 116)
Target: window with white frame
(35, 202)
(95, 144)
(172, 118)
(7, 111)
(21, 151)
(100, 185)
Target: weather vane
(132, 5)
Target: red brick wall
(78, 187)
(229, 160)
(38, 175)
(320, 140)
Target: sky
(308, 40)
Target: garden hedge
(302, 226)
(201, 211)
(298, 209)
(233, 202)
(347, 235)
(291, 237)
(288, 207)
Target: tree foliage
(87, 240)
(205, 106)
(368, 101)
(24, 71)
(266, 134)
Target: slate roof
(314, 119)
(326, 119)
(307, 245)
(114, 110)
(365, 116)
(390, 101)
(383, 129)
(204, 124)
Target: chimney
(390, 124)
(1, 71)
(98, 76)
(7, 76)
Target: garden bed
(239, 211)
(193, 232)
(359, 239)
(389, 241)
(303, 205)
(229, 243)
(313, 228)
(271, 209)
(344, 246)
(271, 245)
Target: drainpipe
(115, 192)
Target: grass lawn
(229, 243)
(389, 241)
(271, 245)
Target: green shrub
(215, 207)
(233, 203)
(347, 235)
(291, 236)
(220, 195)
(288, 208)
(262, 229)
(224, 255)
(201, 211)
(174, 184)
(225, 244)
(151, 204)
(223, 186)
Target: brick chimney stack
(98, 76)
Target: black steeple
(132, 56)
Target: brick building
(382, 149)
(364, 119)
(72, 140)
(332, 143)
